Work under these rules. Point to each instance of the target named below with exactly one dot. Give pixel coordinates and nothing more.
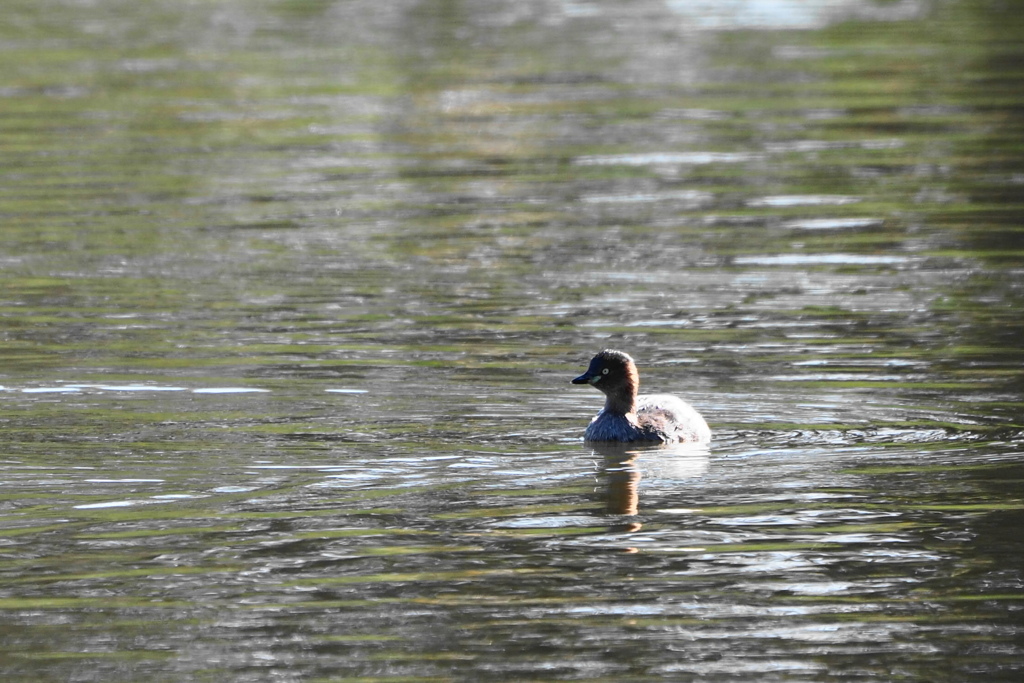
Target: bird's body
(629, 417)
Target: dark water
(291, 292)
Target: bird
(628, 417)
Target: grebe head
(614, 374)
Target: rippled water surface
(291, 292)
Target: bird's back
(673, 417)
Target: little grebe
(657, 418)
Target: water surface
(292, 291)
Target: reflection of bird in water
(627, 417)
(623, 482)
(624, 466)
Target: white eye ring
(604, 371)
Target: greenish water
(291, 292)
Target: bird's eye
(605, 371)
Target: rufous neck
(622, 402)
